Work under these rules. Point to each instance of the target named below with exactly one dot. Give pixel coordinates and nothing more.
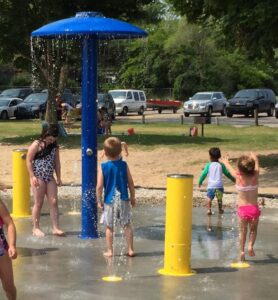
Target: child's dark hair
(214, 153)
(112, 147)
(49, 130)
(246, 165)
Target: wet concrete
(71, 268)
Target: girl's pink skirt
(249, 212)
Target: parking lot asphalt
(72, 268)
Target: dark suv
(245, 102)
(104, 100)
(33, 106)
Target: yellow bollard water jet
(177, 249)
(21, 185)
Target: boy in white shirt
(214, 170)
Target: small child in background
(114, 175)
(214, 170)
(247, 175)
(7, 252)
(106, 121)
(67, 110)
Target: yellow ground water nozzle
(240, 265)
(112, 278)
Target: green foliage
(147, 60)
(188, 58)
(250, 25)
(6, 73)
(21, 79)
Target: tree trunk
(51, 108)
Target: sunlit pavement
(72, 268)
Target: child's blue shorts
(218, 192)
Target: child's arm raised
(227, 173)
(230, 168)
(8, 221)
(255, 157)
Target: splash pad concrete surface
(72, 268)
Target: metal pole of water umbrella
(89, 138)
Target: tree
(190, 58)
(250, 24)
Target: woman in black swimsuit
(42, 160)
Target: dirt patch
(150, 168)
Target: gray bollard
(181, 119)
(143, 119)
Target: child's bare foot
(209, 213)
(242, 256)
(130, 254)
(108, 254)
(58, 232)
(251, 251)
(38, 233)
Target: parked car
(21, 93)
(129, 101)
(246, 101)
(8, 107)
(206, 103)
(33, 106)
(276, 111)
(103, 100)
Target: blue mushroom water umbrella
(89, 27)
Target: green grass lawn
(156, 135)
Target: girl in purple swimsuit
(246, 175)
(42, 160)
(7, 252)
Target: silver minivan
(206, 103)
(129, 101)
